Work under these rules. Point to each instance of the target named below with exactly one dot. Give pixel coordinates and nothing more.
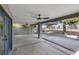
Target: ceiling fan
(39, 17)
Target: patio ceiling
(24, 13)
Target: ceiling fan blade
(39, 18)
(46, 18)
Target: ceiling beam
(62, 18)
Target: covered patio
(26, 42)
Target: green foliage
(25, 26)
(1, 25)
(50, 27)
(71, 20)
(73, 26)
(74, 20)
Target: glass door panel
(1, 36)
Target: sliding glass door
(5, 33)
(1, 36)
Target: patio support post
(39, 30)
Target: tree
(64, 27)
(70, 21)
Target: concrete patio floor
(31, 45)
